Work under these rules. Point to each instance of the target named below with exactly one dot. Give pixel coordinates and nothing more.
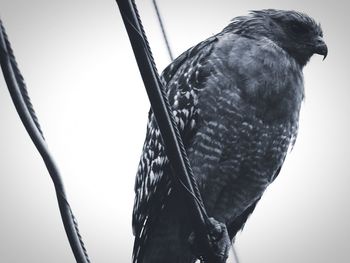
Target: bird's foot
(219, 242)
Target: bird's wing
(240, 221)
(183, 78)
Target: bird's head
(295, 32)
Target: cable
(235, 255)
(197, 196)
(159, 101)
(163, 113)
(24, 107)
(163, 30)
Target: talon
(219, 241)
(216, 229)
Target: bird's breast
(255, 151)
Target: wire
(165, 120)
(235, 255)
(160, 20)
(190, 192)
(24, 107)
(165, 117)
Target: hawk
(236, 99)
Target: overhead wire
(24, 107)
(166, 123)
(167, 116)
(162, 110)
(161, 24)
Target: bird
(236, 100)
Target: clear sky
(85, 86)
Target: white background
(90, 100)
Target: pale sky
(90, 100)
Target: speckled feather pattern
(236, 101)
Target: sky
(85, 86)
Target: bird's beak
(321, 47)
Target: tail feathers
(168, 249)
(168, 238)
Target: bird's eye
(298, 28)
